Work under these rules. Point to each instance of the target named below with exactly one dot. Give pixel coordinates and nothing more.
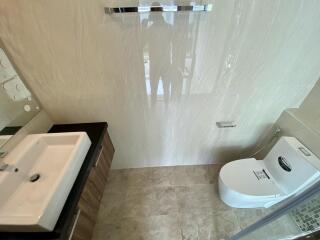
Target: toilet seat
(288, 169)
(247, 183)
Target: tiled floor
(168, 203)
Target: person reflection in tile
(159, 42)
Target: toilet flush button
(304, 151)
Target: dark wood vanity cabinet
(88, 205)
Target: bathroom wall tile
(245, 61)
(293, 123)
(310, 106)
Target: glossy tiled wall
(162, 81)
(310, 108)
(303, 122)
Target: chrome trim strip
(162, 8)
(76, 218)
(99, 156)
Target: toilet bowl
(287, 169)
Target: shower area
(297, 218)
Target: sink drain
(34, 177)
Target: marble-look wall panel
(163, 80)
(293, 123)
(310, 108)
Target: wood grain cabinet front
(88, 205)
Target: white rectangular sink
(27, 206)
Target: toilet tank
(292, 165)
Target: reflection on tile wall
(163, 80)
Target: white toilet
(287, 169)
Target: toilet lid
(250, 177)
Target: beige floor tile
(160, 176)
(206, 224)
(191, 175)
(150, 202)
(112, 206)
(107, 231)
(247, 217)
(199, 196)
(117, 181)
(153, 228)
(213, 174)
(178, 203)
(189, 223)
(218, 226)
(165, 227)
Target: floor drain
(34, 177)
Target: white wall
(245, 61)
(292, 123)
(301, 123)
(310, 108)
(304, 122)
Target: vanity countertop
(95, 132)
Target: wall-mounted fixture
(162, 8)
(226, 124)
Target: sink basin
(41, 173)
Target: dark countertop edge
(10, 130)
(96, 133)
